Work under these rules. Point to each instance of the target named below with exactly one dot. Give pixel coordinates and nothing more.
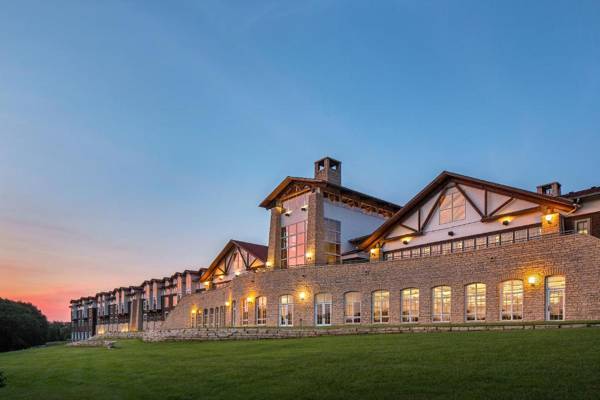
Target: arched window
(475, 302)
(381, 307)
(511, 303)
(441, 304)
(286, 310)
(323, 309)
(409, 305)
(261, 310)
(555, 298)
(352, 307)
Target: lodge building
(462, 250)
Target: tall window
(333, 239)
(293, 244)
(261, 310)
(211, 318)
(286, 310)
(582, 226)
(205, 318)
(217, 317)
(475, 302)
(245, 312)
(409, 305)
(233, 313)
(352, 307)
(555, 298)
(441, 304)
(323, 309)
(511, 300)
(381, 307)
(452, 207)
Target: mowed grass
(544, 364)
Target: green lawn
(556, 363)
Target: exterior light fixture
(269, 264)
(451, 233)
(548, 218)
(302, 296)
(506, 221)
(533, 280)
(304, 207)
(309, 255)
(237, 273)
(373, 251)
(221, 277)
(406, 240)
(206, 283)
(249, 299)
(287, 213)
(226, 304)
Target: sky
(137, 138)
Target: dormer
(329, 170)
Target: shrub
(2, 379)
(22, 325)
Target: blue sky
(138, 137)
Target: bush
(22, 325)
(2, 379)
(59, 331)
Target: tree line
(23, 325)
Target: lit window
(381, 307)
(512, 300)
(286, 310)
(409, 305)
(245, 312)
(414, 253)
(535, 232)
(475, 304)
(234, 313)
(582, 226)
(506, 238)
(441, 304)
(261, 310)
(452, 207)
(211, 317)
(521, 235)
(323, 309)
(333, 240)
(293, 245)
(555, 298)
(352, 307)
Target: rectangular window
(426, 251)
(245, 312)
(511, 300)
(507, 238)
(323, 309)
(481, 242)
(211, 318)
(381, 307)
(493, 240)
(555, 298)
(352, 307)
(286, 310)
(234, 313)
(535, 232)
(333, 239)
(261, 310)
(436, 249)
(521, 235)
(415, 253)
(409, 305)
(293, 245)
(457, 246)
(582, 226)
(452, 207)
(475, 302)
(469, 244)
(446, 248)
(441, 304)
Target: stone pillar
(551, 223)
(315, 237)
(274, 254)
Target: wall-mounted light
(309, 255)
(206, 283)
(269, 264)
(406, 240)
(304, 207)
(505, 221)
(249, 299)
(533, 280)
(373, 252)
(221, 277)
(548, 218)
(287, 213)
(237, 273)
(302, 295)
(226, 304)
(451, 233)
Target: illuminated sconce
(206, 283)
(406, 240)
(194, 311)
(221, 277)
(505, 221)
(269, 264)
(302, 295)
(548, 218)
(373, 252)
(287, 213)
(533, 280)
(304, 207)
(249, 299)
(227, 304)
(237, 273)
(309, 255)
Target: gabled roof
(594, 190)
(268, 202)
(444, 178)
(257, 250)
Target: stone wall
(577, 257)
(254, 333)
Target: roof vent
(550, 189)
(329, 170)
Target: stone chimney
(329, 170)
(550, 189)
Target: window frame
(288, 307)
(350, 315)
(476, 296)
(383, 304)
(512, 296)
(441, 317)
(588, 221)
(410, 294)
(261, 311)
(453, 194)
(323, 310)
(548, 292)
